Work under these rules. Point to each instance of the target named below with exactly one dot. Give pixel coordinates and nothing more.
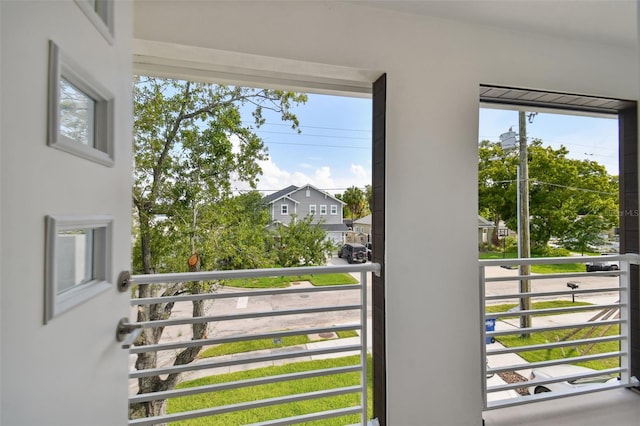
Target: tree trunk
(151, 336)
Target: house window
(78, 261)
(323, 210)
(312, 209)
(334, 209)
(308, 193)
(100, 13)
(284, 209)
(80, 111)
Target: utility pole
(524, 243)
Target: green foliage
(356, 202)
(300, 243)
(573, 200)
(190, 144)
(253, 393)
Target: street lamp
(508, 142)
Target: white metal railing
(606, 290)
(292, 317)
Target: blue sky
(333, 152)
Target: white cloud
(359, 171)
(274, 178)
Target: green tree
(356, 204)
(496, 184)
(190, 144)
(300, 243)
(368, 195)
(563, 191)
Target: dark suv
(353, 252)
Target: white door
(62, 365)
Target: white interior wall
(70, 371)
(433, 71)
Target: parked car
(566, 370)
(602, 265)
(369, 247)
(353, 252)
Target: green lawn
(537, 305)
(256, 345)
(558, 335)
(282, 282)
(537, 269)
(569, 351)
(254, 393)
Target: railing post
(483, 335)
(363, 352)
(625, 300)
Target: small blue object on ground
(490, 325)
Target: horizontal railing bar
(174, 393)
(244, 293)
(579, 342)
(556, 293)
(531, 365)
(534, 312)
(134, 374)
(252, 273)
(244, 406)
(555, 327)
(262, 314)
(552, 276)
(243, 338)
(528, 399)
(311, 417)
(532, 383)
(557, 260)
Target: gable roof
(279, 194)
(365, 220)
(484, 223)
(289, 190)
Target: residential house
(484, 230)
(428, 66)
(305, 201)
(362, 229)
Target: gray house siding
(308, 201)
(318, 204)
(279, 206)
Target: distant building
(308, 200)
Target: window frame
(62, 67)
(284, 209)
(101, 16)
(58, 302)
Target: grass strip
(285, 281)
(253, 393)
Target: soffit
(552, 100)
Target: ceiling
(609, 21)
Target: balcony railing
(575, 333)
(245, 315)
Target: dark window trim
(627, 113)
(378, 231)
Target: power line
(313, 127)
(311, 135)
(318, 145)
